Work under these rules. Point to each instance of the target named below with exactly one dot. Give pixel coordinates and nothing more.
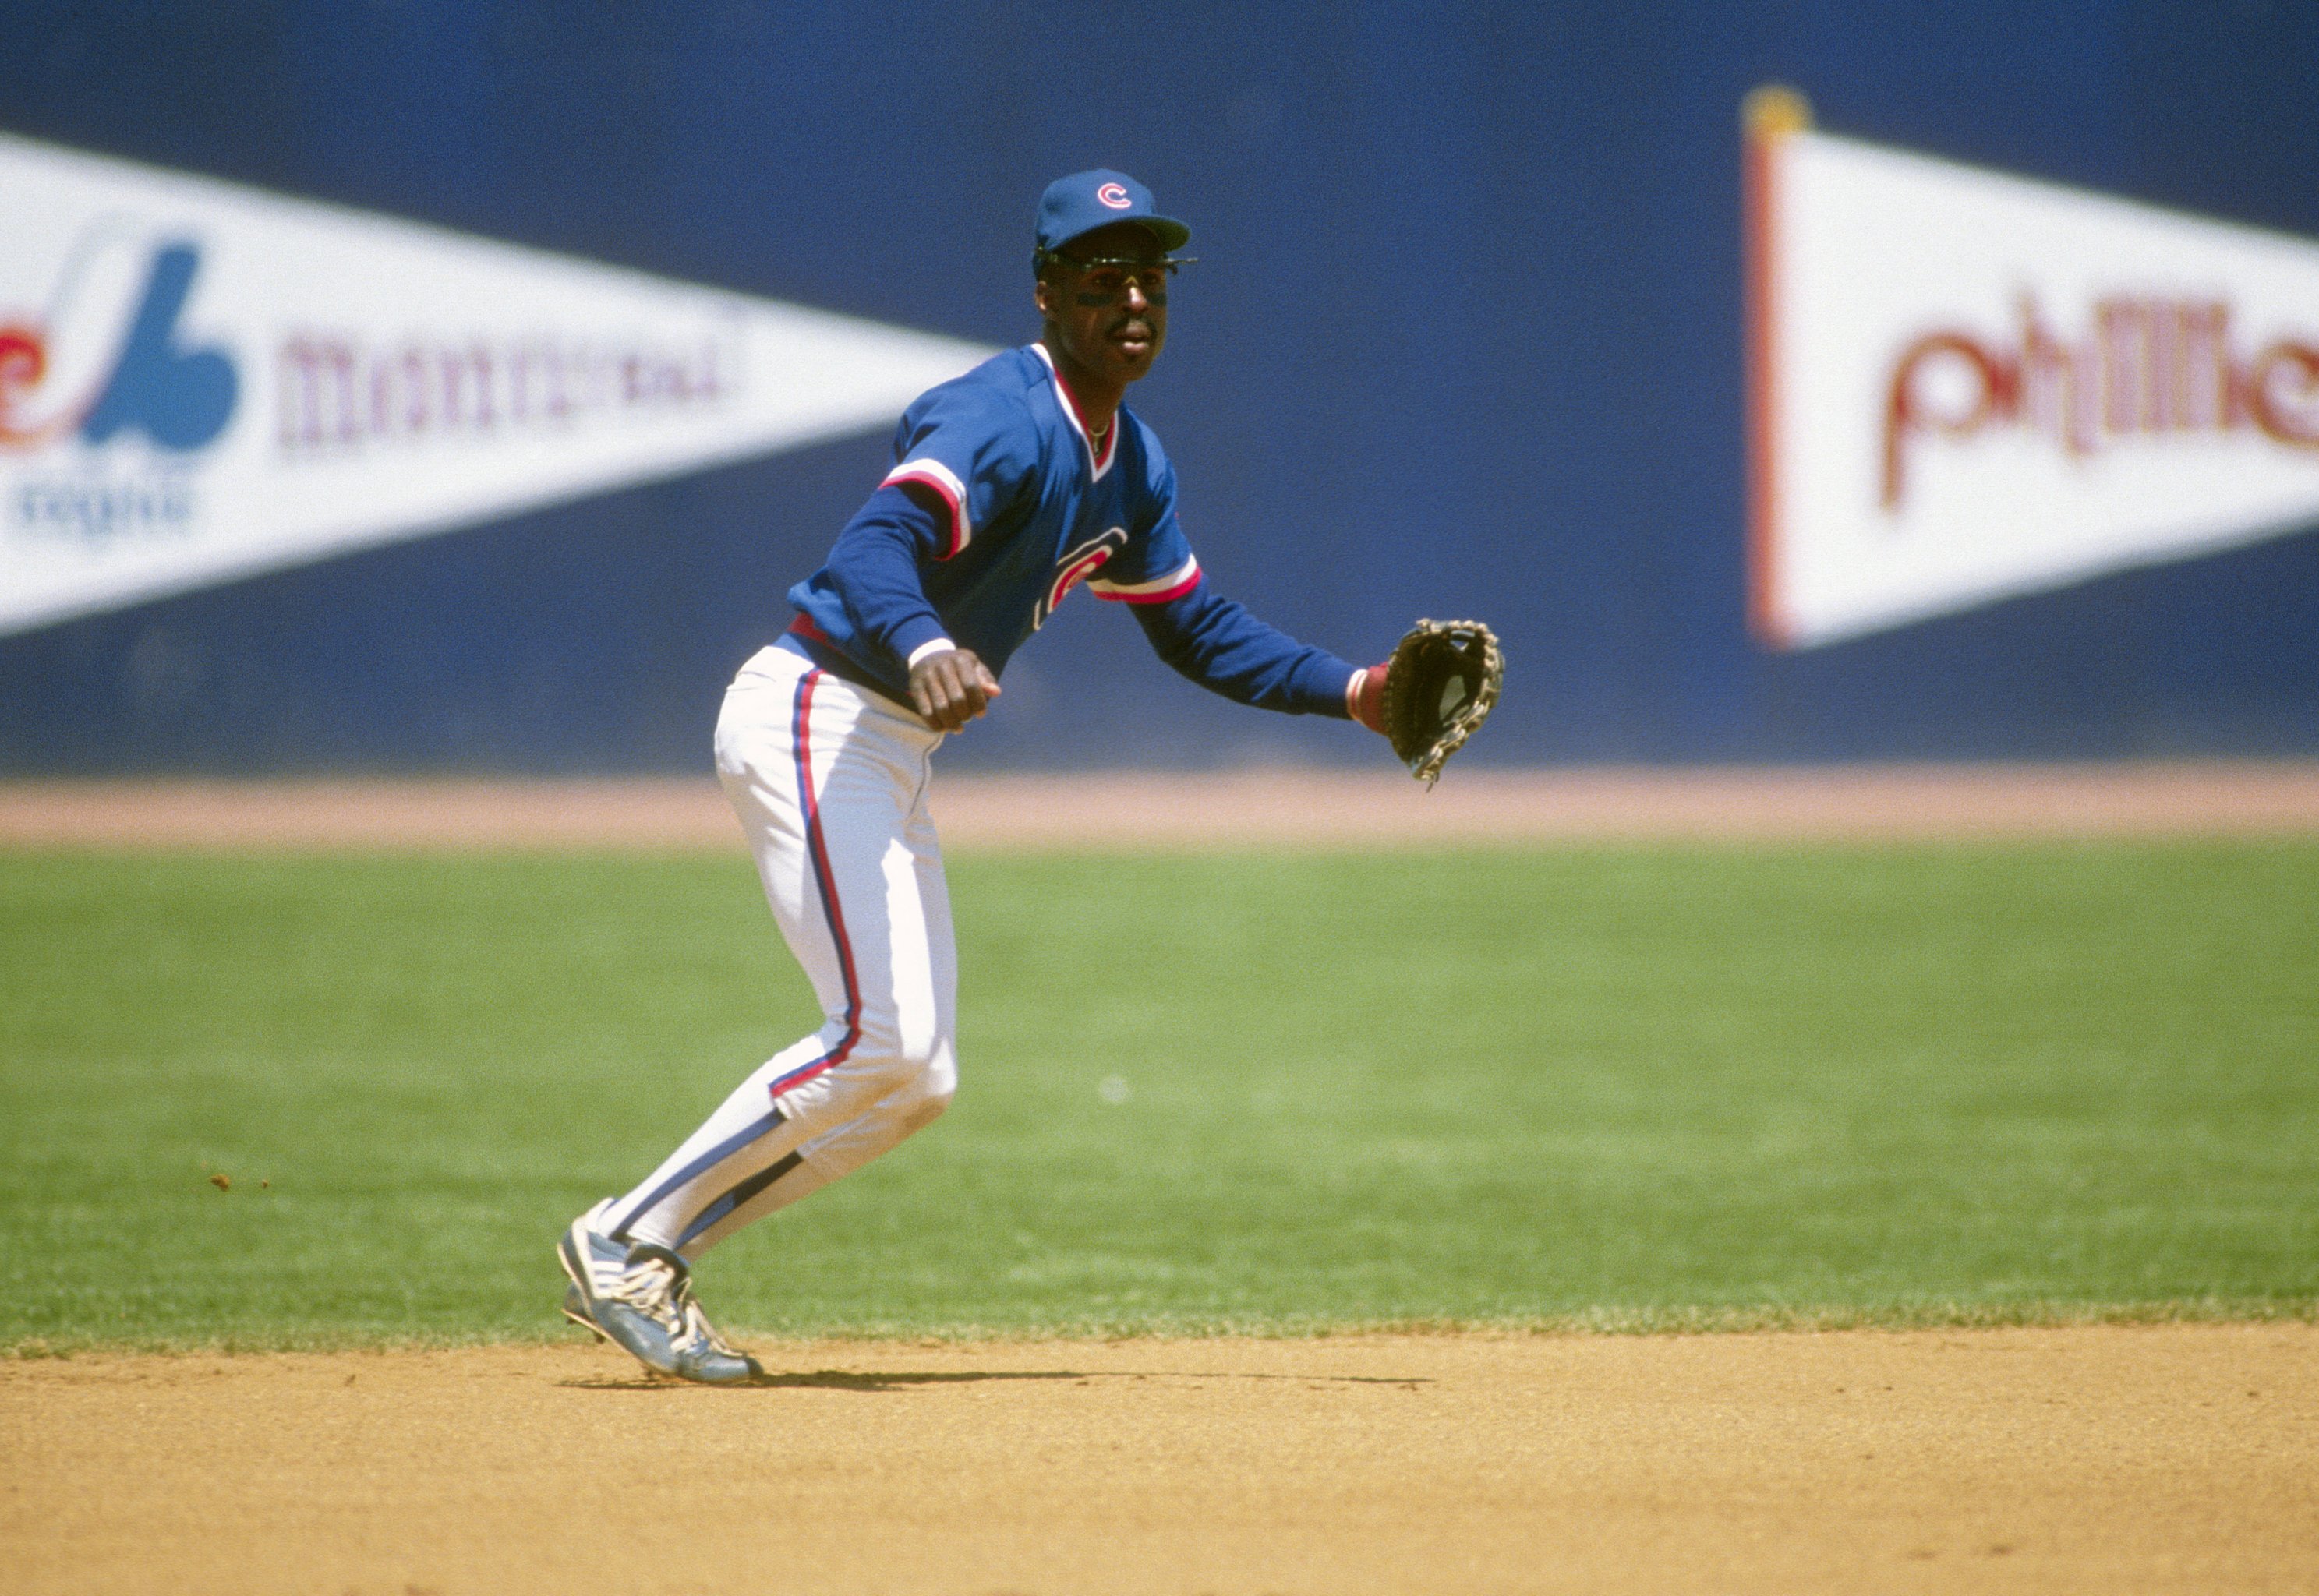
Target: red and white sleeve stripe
(1159, 591)
(934, 475)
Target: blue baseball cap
(1086, 201)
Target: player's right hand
(951, 688)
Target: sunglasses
(1150, 275)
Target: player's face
(1107, 301)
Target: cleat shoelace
(698, 1330)
(650, 1287)
(662, 1293)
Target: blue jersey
(998, 504)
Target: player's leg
(909, 1108)
(827, 781)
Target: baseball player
(1012, 485)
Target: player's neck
(1096, 401)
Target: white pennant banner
(1966, 386)
(199, 381)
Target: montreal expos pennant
(199, 381)
(1964, 386)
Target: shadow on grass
(851, 1380)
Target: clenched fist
(951, 688)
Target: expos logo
(1075, 567)
(1113, 196)
(105, 358)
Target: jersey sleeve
(974, 449)
(1216, 643)
(868, 589)
(1158, 564)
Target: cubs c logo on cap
(1084, 201)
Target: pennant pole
(1769, 116)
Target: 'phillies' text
(2143, 366)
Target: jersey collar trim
(1070, 409)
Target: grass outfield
(1644, 1088)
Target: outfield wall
(1466, 337)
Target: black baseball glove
(1439, 688)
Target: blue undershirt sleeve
(1219, 645)
(874, 567)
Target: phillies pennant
(1964, 386)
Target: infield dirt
(2094, 1459)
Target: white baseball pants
(830, 782)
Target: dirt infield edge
(1271, 809)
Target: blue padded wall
(1465, 339)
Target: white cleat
(640, 1297)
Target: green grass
(1633, 1088)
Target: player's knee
(928, 1081)
(937, 1083)
(919, 1062)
